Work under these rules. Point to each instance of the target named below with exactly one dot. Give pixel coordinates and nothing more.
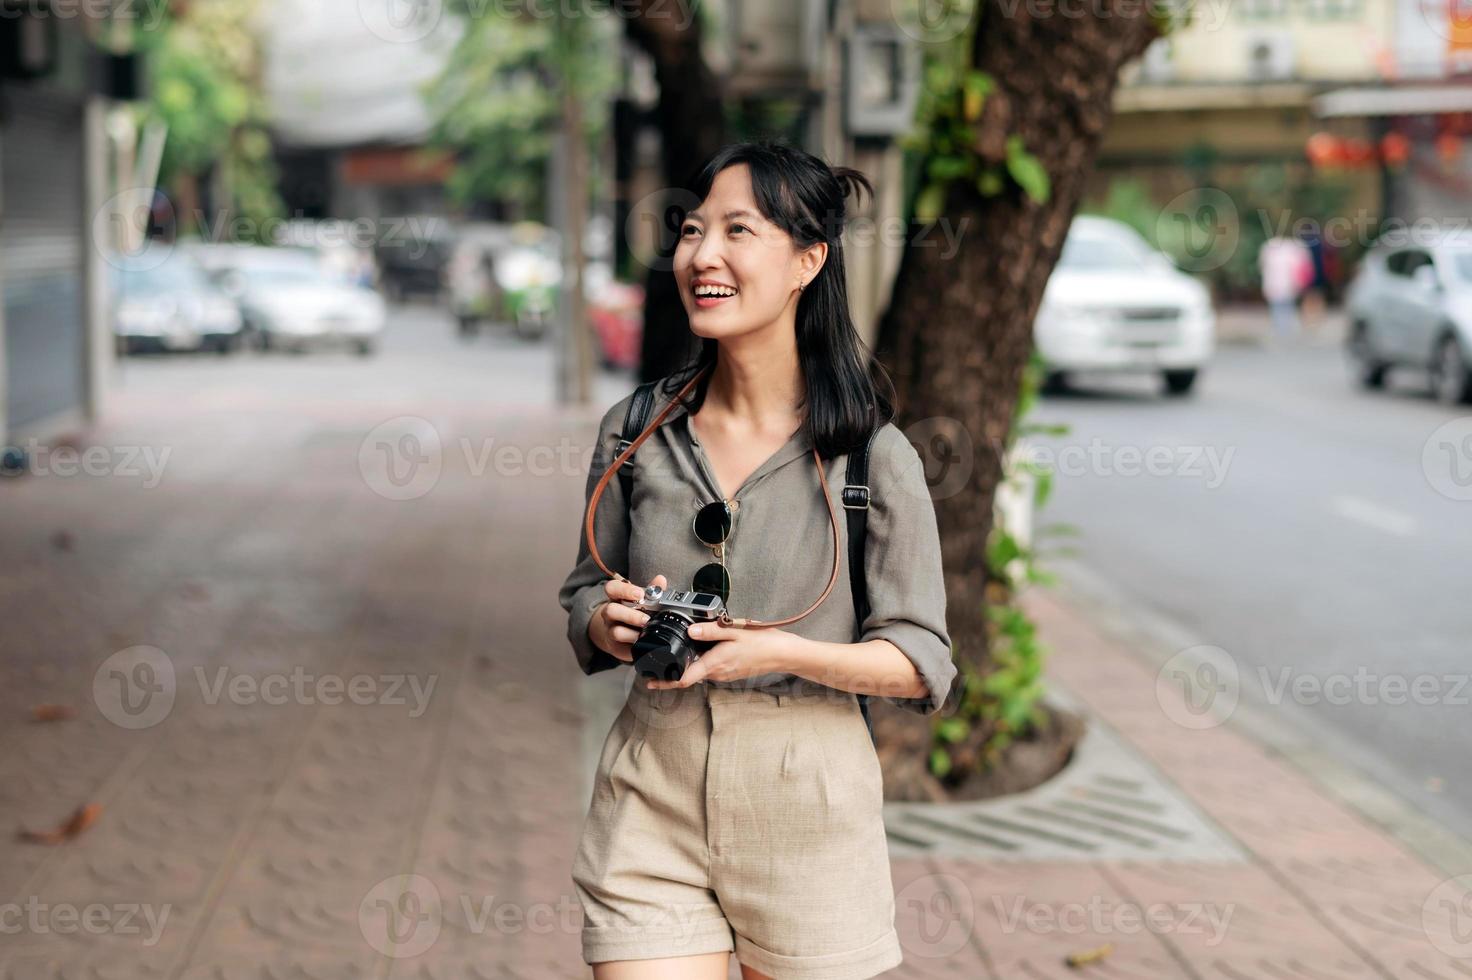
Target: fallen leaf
(1076, 960)
(53, 712)
(79, 821)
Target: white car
(1113, 303)
(169, 303)
(1411, 306)
(290, 301)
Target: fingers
(628, 615)
(713, 632)
(622, 591)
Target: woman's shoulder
(895, 463)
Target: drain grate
(1110, 803)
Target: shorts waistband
(806, 693)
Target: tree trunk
(692, 126)
(958, 331)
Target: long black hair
(849, 394)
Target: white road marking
(1374, 515)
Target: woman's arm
(583, 591)
(876, 667)
(907, 590)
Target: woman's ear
(812, 262)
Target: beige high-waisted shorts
(743, 820)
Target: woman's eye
(742, 227)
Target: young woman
(738, 808)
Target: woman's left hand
(737, 653)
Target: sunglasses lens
(713, 523)
(713, 578)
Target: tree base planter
(903, 740)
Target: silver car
(1410, 306)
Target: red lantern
(1323, 150)
(1449, 147)
(1395, 149)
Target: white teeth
(714, 291)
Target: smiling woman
(737, 805)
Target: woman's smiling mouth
(709, 293)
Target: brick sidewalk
(1325, 894)
(274, 833)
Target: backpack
(855, 498)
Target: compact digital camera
(664, 648)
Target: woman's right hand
(615, 626)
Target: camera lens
(664, 648)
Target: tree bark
(692, 126)
(958, 331)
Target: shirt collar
(678, 421)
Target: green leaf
(977, 87)
(989, 182)
(929, 202)
(1027, 171)
(944, 168)
(940, 762)
(952, 729)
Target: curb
(1154, 640)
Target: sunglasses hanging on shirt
(712, 525)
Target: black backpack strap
(634, 422)
(855, 497)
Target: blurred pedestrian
(1286, 267)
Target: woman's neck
(758, 383)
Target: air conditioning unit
(1271, 57)
(882, 67)
(1157, 64)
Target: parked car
(337, 246)
(1410, 306)
(289, 302)
(1113, 303)
(172, 305)
(413, 264)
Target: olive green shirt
(780, 550)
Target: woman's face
(752, 264)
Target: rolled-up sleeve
(583, 592)
(902, 562)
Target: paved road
(1290, 521)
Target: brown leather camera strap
(726, 619)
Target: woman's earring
(800, 285)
